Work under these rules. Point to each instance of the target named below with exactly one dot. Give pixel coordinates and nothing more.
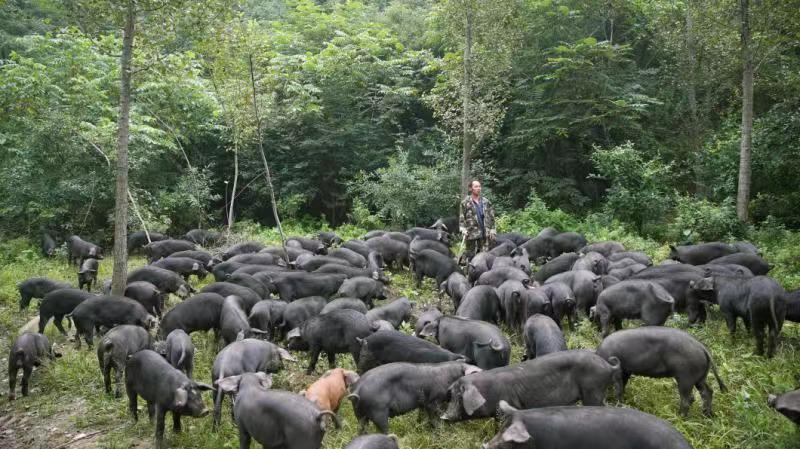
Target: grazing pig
(384, 347)
(138, 239)
(79, 249)
(266, 259)
(221, 271)
(107, 310)
(514, 237)
(585, 285)
(425, 318)
(351, 272)
(202, 236)
(276, 419)
(759, 301)
(147, 295)
(432, 264)
(479, 264)
(249, 297)
(513, 296)
(311, 262)
(447, 224)
(87, 275)
(114, 349)
(353, 258)
(480, 303)
(637, 256)
(28, 350)
(428, 234)
(559, 378)
(315, 246)
(656, 351)
(291, 286)
(363, 288)
(198, 313)
(207, 259)
(560, 264)
(561, 300)
(297, 312)
(373, 441)
(542, 336)
(358, 246)
(584, 428)
(158, 250)
(482, 343)
(381, 325)
(329, 238)
(165, 281)
(48, 245)
(345, 303)
(753, 262)
(233, 323)
(242, 248)
(37, 287)
(627, 271)
(164, 388)
(244, 356)
(502, 249)
(329, 390)
(418, 245)
(392, 251)
(787, 404)
(398, 388)
(334, 333)
(593, 261)
(183, 266)
(59, 303)
(605, 248)
(247, 280)
(700, 254)
(633, 299)
(179, 351)
(550, 246)
(267, 315)
(395, 312)
(456, 286)
(496, 276)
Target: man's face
(476, 188)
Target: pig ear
(181, 395)
(285, 355)
(265, 379)
(195, 266)
(294, 333)
(350, 377)
(203, 387)
(430, 329)
(240, 336)
(472, 399)
(516, 433)
(375, 275)
(471, 369)
(229, 384)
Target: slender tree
(743, 194)
(468, 133)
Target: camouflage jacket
(469, 218)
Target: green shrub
(638, 194)
(700, 220)
(362, 217)
(534, 217)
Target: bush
(534, 217)
(638, 193)
(700, 220)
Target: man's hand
(492, 234)
(463, 230)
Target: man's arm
(462, 223)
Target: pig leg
(706, 394)
(12, 381)
(381, 420)
(151, 410)
(730, 320)
(244, 438)
(219, 396)
(363, 421)
(594, 397)
(176, 422)
(26, 376)
(107, 374)
(160, 415)
(758, 333)
(117, 377)
(772, 340)
(132, 401)
(685, 391)
(332, 360)
(314, 357)
(59, 325)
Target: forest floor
(67, 407)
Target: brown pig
(328, 391)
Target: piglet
(27, 351)
(329, 390)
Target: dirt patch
(26, 429)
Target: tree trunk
(267, 173)
(743, 196)
(691, 61)
(468, 137)
(120, 273)
(235, 180)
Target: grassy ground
(67, 399)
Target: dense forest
(626, 108)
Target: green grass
(71, 388)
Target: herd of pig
(317, 295)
